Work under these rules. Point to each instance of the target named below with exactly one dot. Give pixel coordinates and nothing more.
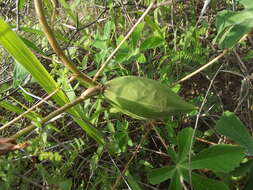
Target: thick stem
(50, 36)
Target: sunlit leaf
(144, 98)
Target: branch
(50, 36)
(93, 91)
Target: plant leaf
(203, 183)
(184, 138)
(144, 98)
(132, 181)
(151, 42)
(159, 175)
(136, 35)
(232, 26)
(243, 169)
(218, 158)
(19, 75)
(249, 183)
(175, 183)
(231, 126)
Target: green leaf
(68, 9)
(65, 185)
(151, 42)
(232, 26)
(123, 54)
(136, 35)
(109, 27)
(243, 169)
(184, 139)
(172, 153)
(132, 181)
(154, 26)
(246, 3)
(32, 46)
(100, 42)
(144, 98)
(202, 183)
(218, 158)
(249, 183)
(19, 75)
(175, 183)
(141, 58)
(231, 126)
(159, 175)
(21, 4)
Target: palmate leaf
(144, 98)
(231, 126)
(184, 142)
(203, 183)
(159, 175)
(16, 47)
(175, 181)
(218, 158)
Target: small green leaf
(151, 42)
(68, 9)
(132, 181)
(109, 27)
(184, 138)
(32, 46)
(21, 4)
(159, 175)
(155, 27)
(144, 98)
(136, 35)
(231, 126)
(218, 158)
(141, 58)
(19, 75)
(123, 54)
(65, 185)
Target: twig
(202, 68)
(93, 91)
(130, 160)
(86, 26)
(196, 124)
(210, 62)
(29, 110)
(121, 43)
(50, 36)
(160, 137)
